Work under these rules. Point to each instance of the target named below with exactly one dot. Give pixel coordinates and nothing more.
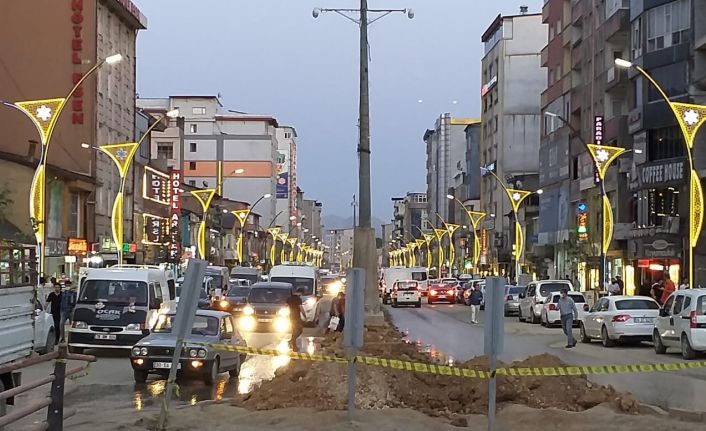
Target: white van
(390, 276)
(421, 275)
(116, 307)
(305, 276)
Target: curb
(672, 412)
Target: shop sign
(598, 140)
(489, 85)
(643, 263)
(107, 245)
(174, 213)
(55, 247)
(76, 25)
(155, 186)
(670, 228)
(156, 229)
(77, 246)
(661, 173)
(582, 226)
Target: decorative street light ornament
(475, 217)
(603, 156)
(204, 197)
(121, 154)
(696, 209)
(516, 197)
(43, 114)
(607, 224)
(690, 117)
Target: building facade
(286, 188)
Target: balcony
(617, 27)
(616, 78)
(576, 13)
(544, 56)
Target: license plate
(264, 320)
(105, 337)
(165, 365)
(643, 320)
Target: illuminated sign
(597, 140)
(489, 85)
(77, 246)
(155, 186)
(156, 229)
(582, 226)
(76, 54)
(174, 212)
(582, 207)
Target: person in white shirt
(684, 284)
(614, 287)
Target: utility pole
(364, 251)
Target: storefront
(55, 252)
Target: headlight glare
(248, 310)
(284, 312)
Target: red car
(442, 292)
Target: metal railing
(54, 401)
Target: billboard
(282, 188)
(156, 229)
(155, 186)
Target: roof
(265, 118)
(463, 121)
(498, 22)
(272, 284)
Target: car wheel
(543, 321)
(235, 372)
(50, 343)
(605, 339)
(535, 319)
(582, 333)
(77, 350)
(418, 304)
(140, 376)
(3, 402)
(686, 351)
(210, 376)
(660, 348)
(519, 314)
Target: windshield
(298, 282)
(636, 304)
(407, 285)
(266, 295)
(419, 276)
(239, 291)
(217, 281)
(252, 278)
(119, 292)
(547, 288)
(203, 325)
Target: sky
(272, 57)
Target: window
(192, 166)
(165, 151)
(576, 170)
(192, 147)
(667, 25)
(193, 128)
(192, 183)
(678, 304)
(636, 47)
(665, 143)
(198, 110)
(287, 135)
(668, 304)
(662, 205)
(75, 215)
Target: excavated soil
(322, 386)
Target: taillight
(621, 318)
(552, 307)
(692, 320)
(586, 307)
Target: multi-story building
(232, 152)
(512, 80)
(286, 177)
(310, 217)
(340, 242)
(81, 183)
(411, 217)
(446, 160)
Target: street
(446, 330)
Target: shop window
(665, 143)
(662, 206)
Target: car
(681, 323)
(200, 355)
(406, 292)
(390, 276)
(234, 300)
(550, 312)
(619, 319)
(44, 335)
(332, 285)
(532, 301)
(302, 276)
(461, 290)
(512, 298)
(442, 292)
(467, 293)
(267, 309)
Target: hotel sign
(174, 213)
(155, 186)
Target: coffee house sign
(661, 173)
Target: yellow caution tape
(445, 370)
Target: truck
(18, 294)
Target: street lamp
(44, 114)
(516, 197)
(242, 217)
(204, 196)
(122, 155)
(274, 232)
(474, 217)
(690, 118)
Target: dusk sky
(273, 57)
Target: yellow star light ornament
(43, 113)
(690, 117)
(475, 217)
(516, 197)
(204, 197)
(603, 156)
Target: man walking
(475, 299)
(295, 316)
(68, 303)
(54, 305)
(567, 311)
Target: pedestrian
(341, 311)
(621, 284)
(684, 283)
(577, 283)
(613, 287)
(295, 316)
(669, 288)
(567, 312)
(68, 303)
(54, 306)
(475, 299)
(333, 311)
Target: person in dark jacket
(68, 303)
(341, 311)
(475, 299)
(54, 305)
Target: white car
(532, 301)
(406, 293)
(620, 318)
(550, 313)
(682, 323)
(44, 332)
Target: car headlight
(133, 327)
(310, 302)
(201, 353)
(193, 353)
(284, 312)
(247, 323)
(135, 351)
(80, 325)
(281, 324)
(223, 304)
(143, 351)
(248, 310)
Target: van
(390, 276)
(682, 323)
(220, 276)
(116, 307)
(305, 276)
(245, 273)
(532, 301)
(421, 276)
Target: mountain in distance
(332, 221)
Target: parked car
(620, 318)
(406, 292)
(532, 302)
(512, 298)
(153, 354)
(550, 312)
(442, 292)
(682, 323)
(44, 335)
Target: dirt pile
(322, 385)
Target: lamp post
(283, 237)
(274, 232)
(204, 196)
(474, 217)
(242, 217)
(44, 114)
(690, 118)
(516, 197)
(364, 241)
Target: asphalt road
(446, 329)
